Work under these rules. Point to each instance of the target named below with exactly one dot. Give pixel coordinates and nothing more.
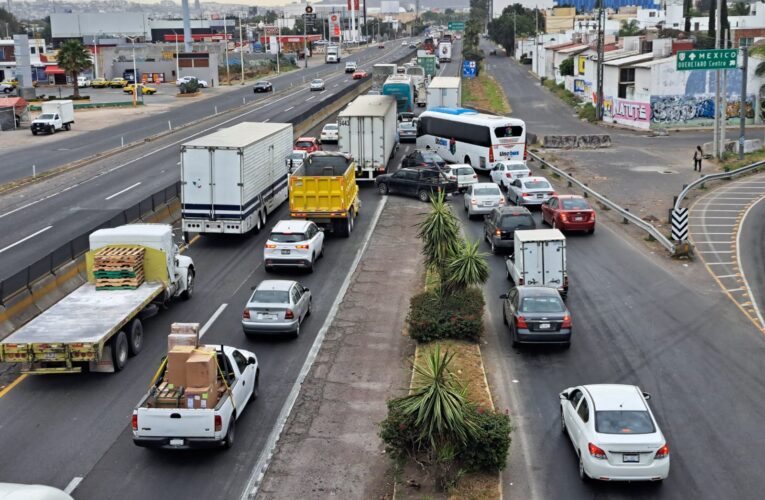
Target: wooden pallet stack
(119, 268)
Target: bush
(487, 450)
(588, 112)
(398, 432)
(190, 87)
(456, 316)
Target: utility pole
(225, 41)
(718, 23)
(724, 100)
(514, 32)
(601, 27)
(241, 48)
(305, 45)
(742, 107)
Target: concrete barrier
(71, 275)
(6, 325)
(46, 292)
(593, 141)
(20, 308)
(750, 145)
(559, 141)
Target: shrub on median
(455, 316)
(487, 450)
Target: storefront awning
(54, 70)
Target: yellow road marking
(13, 384)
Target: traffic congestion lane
(47, 155)
(74, 210)
(634, 322)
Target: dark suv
(422, 158)
(419, 182)
(499, 226)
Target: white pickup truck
(183, 428)
(55, 116)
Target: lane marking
(741, 268)
(720, 264)
(714, 251)
(729, 242)
(266, 120)
(291, 107)
(312, 97)
(74, 483)
(22, 240)
(13, 384)
(335, 85)
(261, 465)
(123, 191)
(322, 92)
(212, 319)
(730, 276)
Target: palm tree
(440, 235)
(630, 28)
(467, 267)
(437, 402)
(758, 51)
(74, 58)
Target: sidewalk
(329, 446)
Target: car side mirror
(503, 296)
(251, 361)
(647, 396)
(564, 395)
(253, 288)
(306, 289)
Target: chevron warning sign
(680, 224)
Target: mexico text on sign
(707, 59)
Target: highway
(751, 244)
(17, 163)
(76, 430)
(39, 219)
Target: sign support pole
(718, 23)
(742, 107)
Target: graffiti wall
(579, 86)
(695, 111)
(631, 113)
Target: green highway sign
(456, 25)
(707, 59)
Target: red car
(569, 213)
(360, 74)
(381, 46)
(307, 144)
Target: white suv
(294, 243)
(350, 67)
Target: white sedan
(505, 173)
(530, 191)
(330, 133)
(483, 197)
(614, 433)
(317, 84)
(462, 173)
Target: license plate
(51, 355)
(176, 442)
(488, 203)
(579, 219)
(631, 458)
(285, 252)
(540, 196)
(266, 316)
(544, 326)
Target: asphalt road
(16, 164)
(31, 227)
(752, 247)
(635, 322)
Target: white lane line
(291, 107)
(264, 459)
(74, 483)
(729, 242)
(320, 93)
(22, 240)
(741, 289)
(313, 96)
(714, 251)
(729, 276)
(707, 234)
(709, 225)
(212, 320)
(741, 267)
(335, 85)
(721, 210)
(720, 263)
(719, 217)
(123, 191)
(266, 120)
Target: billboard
(355, 5)
(334, 25)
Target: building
(38, 58)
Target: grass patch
(560, 91)
(485, 93)
(731, 161)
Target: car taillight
(596, 452)
(134, 423)
(520, 322)
(501, 200)
(498, 232)
(302, 247)
(509, 175)
(554, 193)
(526, 150)
(246, 314)
(473, 201)
(491, 154)
(592, 215)
(475, 176)
(526, 194)
(288, 314)
(663, 452)
(218, 423)
(566, 321)
(270, 245)
(563, 217)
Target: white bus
(461, 135)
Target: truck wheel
(228, 441)
(382, 188)
(189, 291)
(67, 127)
(135, 337)
(119, 351)
(423, 196)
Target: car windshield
(542, 305)
(287, 237)
(575, 204)
(486, 191)
(261, 84)
(271, 296)
(508, 131)
(624, 422)
(537, 185)
(318, 82)
(45, 116)
(520, 221)
(304, 144)
(432, 157)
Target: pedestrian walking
(697, 155)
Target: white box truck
(99, 328)
(368, 133)
(333, 54)
(233, 178)
(55, 116)
(539, 259)
(445, 51)
(445, 92)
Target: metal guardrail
(78, 246)
(628, 216)
(713, 177)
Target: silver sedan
(276, 306)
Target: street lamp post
(177, 68)
(225, 40)
(135, 73)
(241, 48)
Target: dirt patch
(485, 93)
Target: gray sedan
(536, 315)
(277, 306)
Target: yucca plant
(440, 234)
(467, 267)
(438, 403)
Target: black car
(419, 182)
(500, 225)
(422, 158)
(536, 315)
(262, 87)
